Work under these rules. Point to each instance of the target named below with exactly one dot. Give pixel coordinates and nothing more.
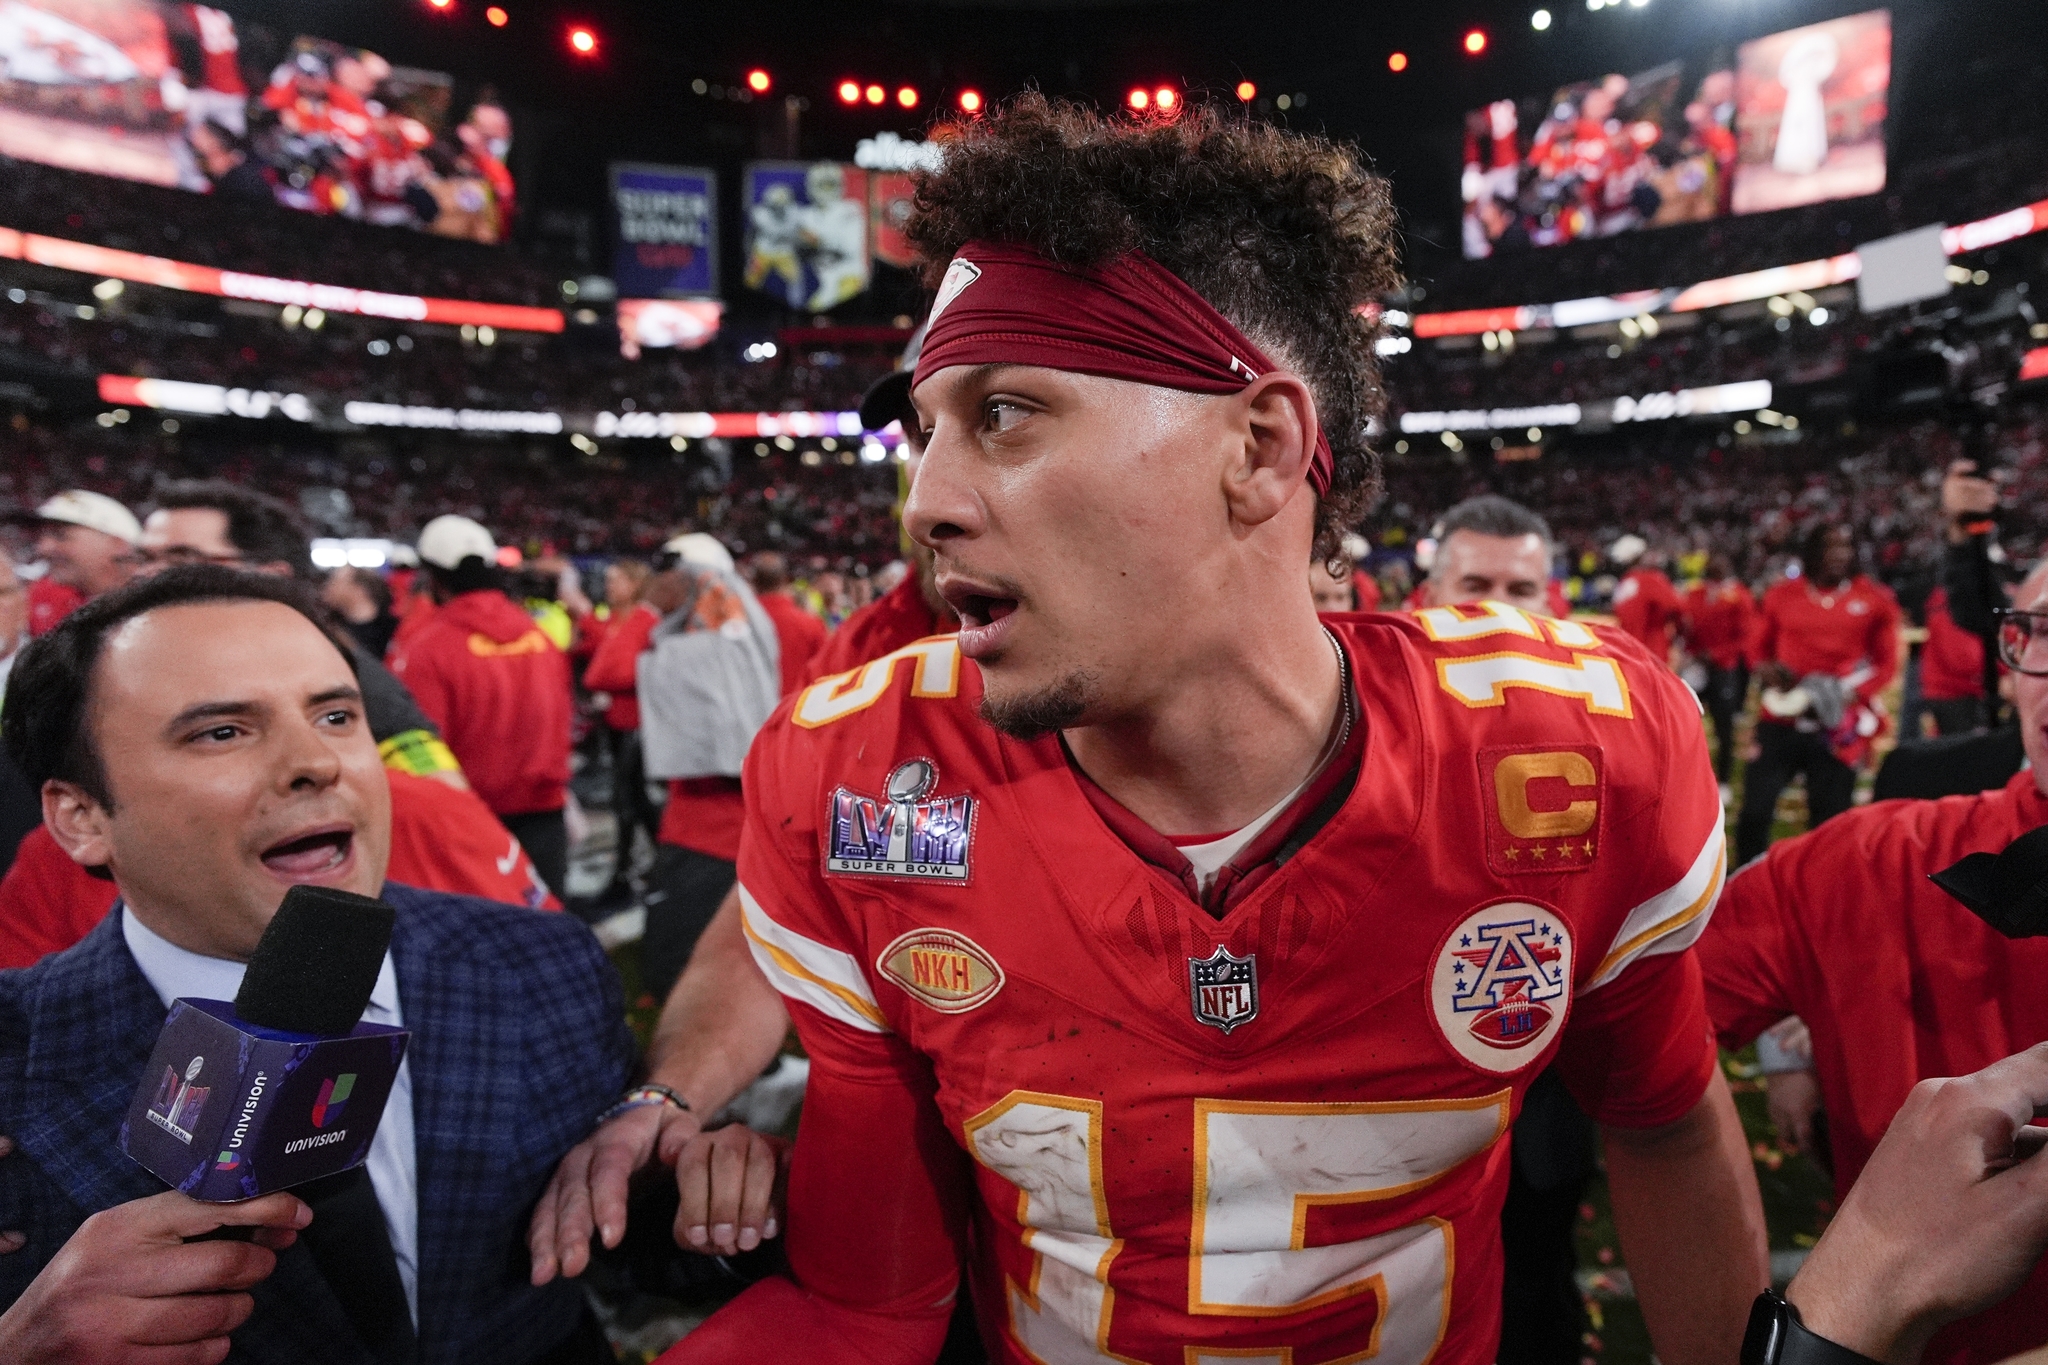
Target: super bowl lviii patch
(905, 831)
(949, 972)
(1542, 808)
(1502, 984)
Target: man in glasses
(1897, 981)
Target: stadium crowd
(750, 660)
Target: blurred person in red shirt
(620, 707)
(88, 541)
(497, 687)
(1350, 590)
(799, 631)
(1827, 643)
(1719, 618)
(1896, 981)
(1645, 603)
(1951, 671)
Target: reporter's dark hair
(1286, 234)
(264, 529)
(45, 721)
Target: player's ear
(1275, 438)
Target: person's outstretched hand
(1949, 1216)
(588, 1190)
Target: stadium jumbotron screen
(1799, 119)
(174, 94)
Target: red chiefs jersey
(50, 602)
(1275, 1135)
(1719, 620)
(897, 617)
(1646, 606)
(1897, 981)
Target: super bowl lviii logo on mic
(178, 1102)
(907, 832)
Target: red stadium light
(1475, 41)
(440, 4)
(876, 94)
(583, 40)
(849, 92)
(1164, 98)
(1139, 99)
(497, 16)
(1246, 90)
(970, 101)
(1397, 61)
(757, 81)
(907, 97)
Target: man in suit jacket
(199, 736)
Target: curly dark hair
(1283, 233)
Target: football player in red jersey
(1174, 960)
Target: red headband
(1002, 304)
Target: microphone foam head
(315, 966)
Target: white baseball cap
(446, 541)
(702, 549)
(94, 511)
(1627, 550)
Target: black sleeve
(21, 810)
(1973, 591)
(390, 708)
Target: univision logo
(333, 1098)
(228, 1161)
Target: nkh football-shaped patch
(1502, 984)
(948, 971)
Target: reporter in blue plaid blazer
(199, 735)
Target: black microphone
(2008, 890)
(285, 1084)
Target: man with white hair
(498, 688)
(705, 659)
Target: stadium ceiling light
(1397, 61)
(497, 16)
(583, 41)
(907, 96)
(1540, 20)
(1139, 99)
(849, 92)
(1164, 98)
(106, 291)
(970, 101)
(876, 94)
(757, 81)
(1475, 41)
(1246, 90)
(440, 4)
(315, 319)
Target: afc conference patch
(1502, 985)
(1542, 808)
(905, 832)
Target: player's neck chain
(1343, 735)
(1827, 599)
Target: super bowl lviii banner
(666, 244)
(807, 232)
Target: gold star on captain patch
(1564, 850)
(1539, 850)
(1513, 853)
(1589, 848)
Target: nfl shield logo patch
(1224, 989)
(905, 832)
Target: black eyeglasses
(2023, 641)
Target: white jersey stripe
(826, 979)
(1672, 920)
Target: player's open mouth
(985, 616)
(319, 853)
